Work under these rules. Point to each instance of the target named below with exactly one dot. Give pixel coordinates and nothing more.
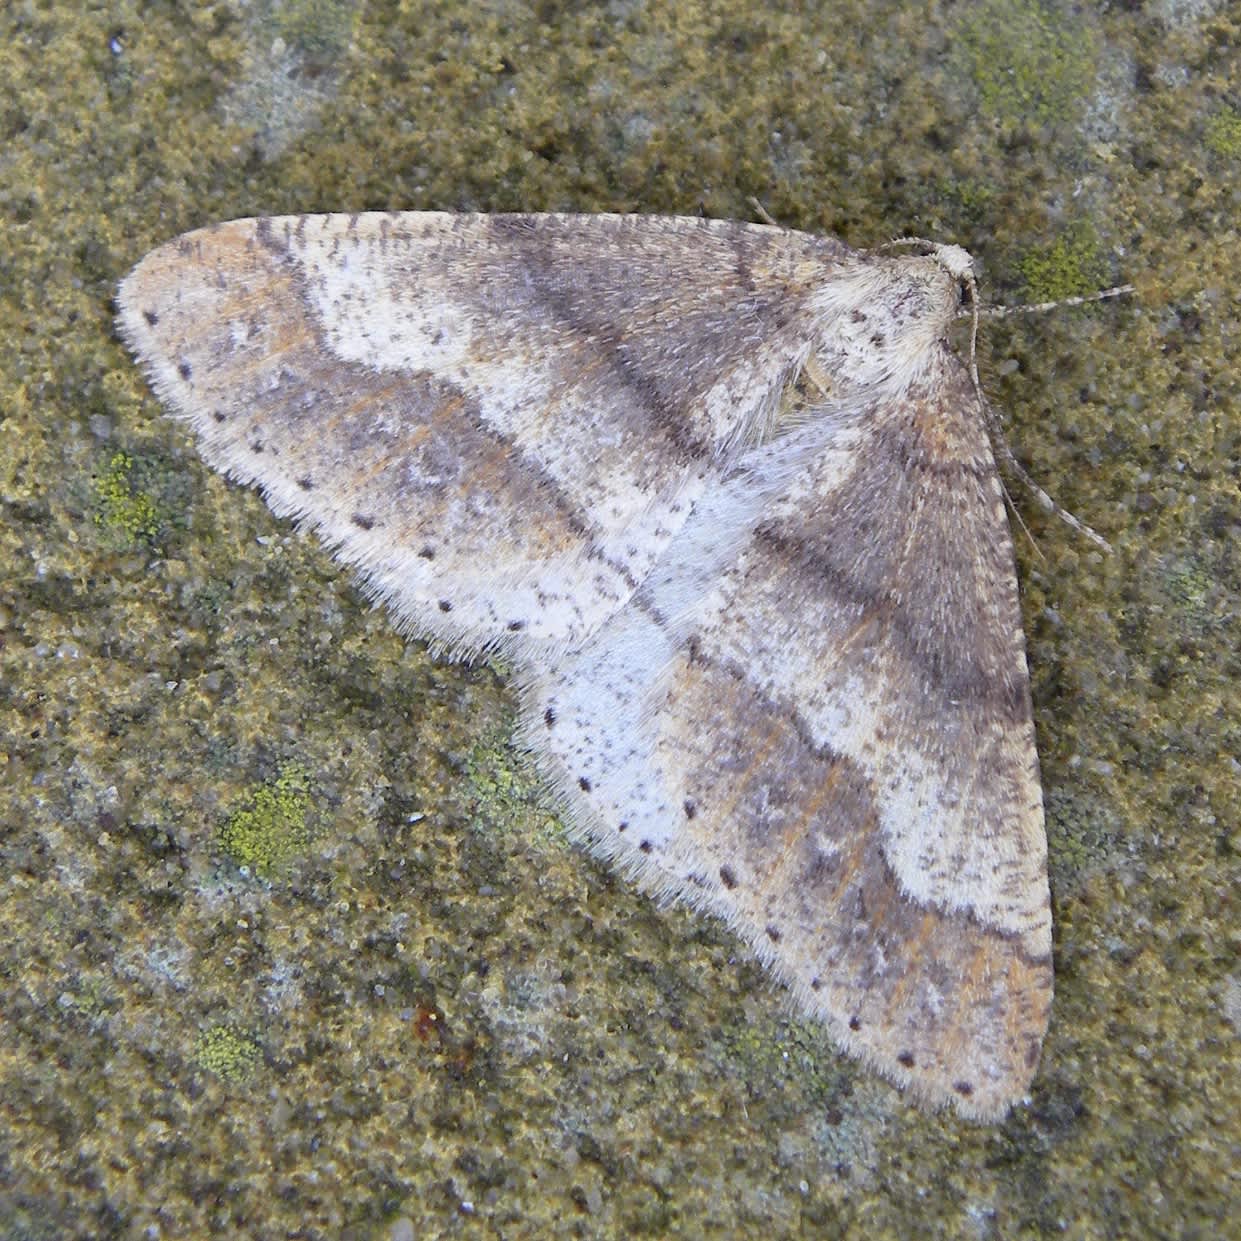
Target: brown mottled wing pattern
(725, 494)
(496, 418)
(835, 749)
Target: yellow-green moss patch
(228, 1052)
(1073, 265)
(122, 508)
(272, 826)
(1028, 63)
(1223, 134)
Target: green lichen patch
(790, 1052)
(1223, 135)
(271, 827)
(510, 794)
(1073, 265)
(228, 1052)
(1029, 64)
(971, 199)
(90, 998)
(122, 508)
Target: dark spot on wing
(727, 878)
(583, 784)
(184, 369)
(151, 317)
(366, 523)
(445, 606)
(306, 484)
(906, 1058)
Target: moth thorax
(881, 325)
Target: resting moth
(723, 493)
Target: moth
(723, 494)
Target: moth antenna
(1005, 453)
(1021, 521)
(1000, 445)
(958, 262)
(998, 442)
(1002, 450)
(1001, 312)
(762, 212)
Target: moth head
(954, 271)
(948, 272)
(957, 262)
(891, 316)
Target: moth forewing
(724, 495)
